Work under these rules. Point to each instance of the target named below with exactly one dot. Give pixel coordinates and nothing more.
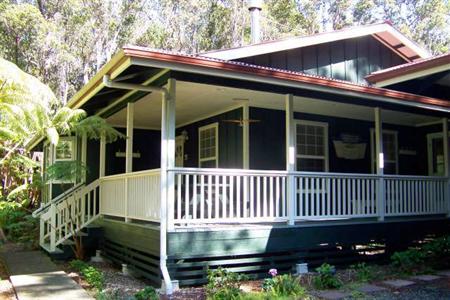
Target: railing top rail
(223, 171)
(57, 199)
(130, 175)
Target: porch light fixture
(184, 134)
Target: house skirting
(255, 249)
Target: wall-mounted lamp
(184, 134)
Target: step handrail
(57, 199)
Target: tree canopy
(63, 43)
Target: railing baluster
(258, 196)
(245, 202)
(271, 196)
(216, 194)
(231, 182)
(238, 196)
(283, 196)
(252, 197)
(202, 196)
(179, 186)
(210, 183)
(265, 196)
(224, 196)
(307, 195)
(194, 196)
(277, 196)
(186, 196)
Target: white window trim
(216, 156)
(326, 155)
(72, 139)
(372, 149)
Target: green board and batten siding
(351, 59)
(133, 244)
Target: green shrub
(224, 285)
(364, 273)
(326, 278)
(283, 286)
(10, 213)
(409, 261)
(18, 225)
(92, 275)
(78, 265)
(438, 249)
(148, 293)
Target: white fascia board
(411, 76)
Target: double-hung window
(66, 149)
(312, 146)
(208, 146)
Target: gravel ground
(435, 290)
(118, 285)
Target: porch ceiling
(196, 101)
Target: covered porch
(218, 155)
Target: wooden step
(46, 247)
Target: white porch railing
(335, 195)
(205, 196)
(132, 195)
(224, 196)
(415, 195)
(215, 196)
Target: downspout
(163, 225)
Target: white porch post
(446, 162)
(129, 144)
(102, 156)
(246, 137)
(167, 178)
(290, 158)
(381, 201)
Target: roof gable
(383, 32)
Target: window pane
(64, 150)
(310, 140)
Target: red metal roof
(409, 68)
(244, 68)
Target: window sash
(206, 134)
(324, 142)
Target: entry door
(436, 161)
(179, 151)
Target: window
(208, 146)
(390, 151)
(66, 149)
(312, 146)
